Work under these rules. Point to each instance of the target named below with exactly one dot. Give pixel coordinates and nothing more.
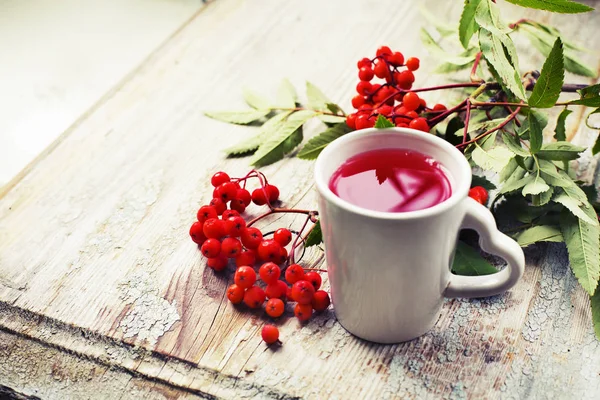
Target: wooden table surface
(103, 295)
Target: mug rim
(463, 182)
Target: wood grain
(95, 259)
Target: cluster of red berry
(392, 97)
(224, 234)
(479, 194)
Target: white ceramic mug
(389, 272)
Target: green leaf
(551, 175)
(382, 122)
(560, 130)
(595, 303)
(514, 144)
(516, 183)
(560, 151)
(255, 100)
(494, 159)
(284, 139)
(467, 26)
(590, 96)
(494, 52)
(583, 248)
(536, 185)
(587, 120)
(596, 148)
(509, 170)
(536, 137)
(237, 117)
(545, 197)
(315, 145)
(575, 200)
(468, 261)
(250, 145)
(549, 85)
(558, 6)
(446, 67)
(331, 119)
(435, 49)
(316, 99)
(315, 236)
(286, 95)
(482, 181)
(540, 233)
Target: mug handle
(494, 242)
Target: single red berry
(235, 294)
(196, 233)
(218, 263)
(269, 272)
(383, 50)
(282, 236)
(231, 247)
(288, 294)
(274, 307)
(206, 212)
(211, 248)
(244, 277)
(411, 101)
(396, 59)
(244, 195)
(303, 311)
(423, 103)
(364, 62)
(219, 205)
(246, 257)
(273, 193)
(479, 194)
(320, 300)
(276, 290)
(314, 278)
(270, 334)
(381, 69)
(219, 178)
(235, 226)
(405, 79)
(251, 237)
(351, 121)
(237, 205)
(358, 101)
(283, 255)
(268, 250)
(294, 273)
(419, 124)
(303, 292)
(439, 107)
(364, 88)
(362, 122)
(258, 197)
(227, 191)
(412, 63)
(385, 110)
(254, 297)
(228, 214)
(365, 74)
(213, 228)
(412, 114)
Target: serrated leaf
(544, 198)
(468, 262)
(314, 146)
(435, 49)
(382, 122)
(551, 175)
(315, 236)
(494, 159)
(558, 6)
(514, 144)
(494, 52)
(316, 98)
(589, 96)
(484, 125)
(560, 151)
(516, 183)
(237, 117)
(482, 181)
(549, 85)
(247, 146)
(467, 25)
(283, 140)
(575, 204)
(583, 248)
(509, 170)
(560, 130)
(286, 95)
(255, 100)
(331, 119)
(536, 137)
(535, 186)
(595, 303)
(540, 233)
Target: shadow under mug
(389, 272)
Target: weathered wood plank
(110, 256)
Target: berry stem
(467, 120)
(474, 77)
(305, 108)
(282, 210)
(500, 126)
(315, 269)
(292, 256)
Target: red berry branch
(223, 234)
